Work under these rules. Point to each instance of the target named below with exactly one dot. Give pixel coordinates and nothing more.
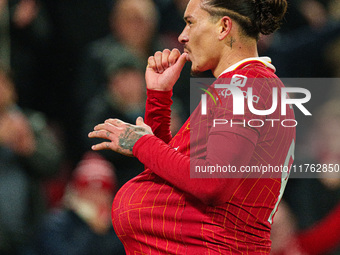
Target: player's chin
(195, 73)
(195, 70)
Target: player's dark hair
(254, 16)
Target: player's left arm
(158, 113)
(224, 148)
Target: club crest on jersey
(238, 81)
(236, 88)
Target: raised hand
(164, 69)
(122, 136)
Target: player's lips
(188, 52)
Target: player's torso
(152, 217)
(147, 215)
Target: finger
(158, 60)
(105, 126)
(174, 55)
(111, 146)
(152, 63)
(140, 121)
(104, 134)
(103, 146)
(116, 122)
(181, 62)
(165, 58)
(99, 127)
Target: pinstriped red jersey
(164, 211)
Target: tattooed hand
(122, 135)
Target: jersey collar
(264, 60)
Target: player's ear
(225, 25)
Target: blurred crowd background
(68, 65)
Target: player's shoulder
(251, 69)
(251, 74)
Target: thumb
(140, 121)
(146, 129)
(181, 61)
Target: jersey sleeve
(174, 167)
(158, 112)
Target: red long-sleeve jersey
(164, 211)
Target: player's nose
(183, 38)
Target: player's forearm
(157, 113)
(174, 167)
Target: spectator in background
(309, 224)
(132, 35)
(29, 152)
(324, 236)
(133, 28)
(284, 230)
(299, 51)
(321, 238)
(83, 225)
(124, 98)
(171, 22)
(312, 198)
(25, 39)
(134, 25)
(333, 52)
(334, 9)
(74, 24)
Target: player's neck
(232, 55)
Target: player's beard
(199, 74)
(195, 73)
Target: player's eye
(189, 22)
